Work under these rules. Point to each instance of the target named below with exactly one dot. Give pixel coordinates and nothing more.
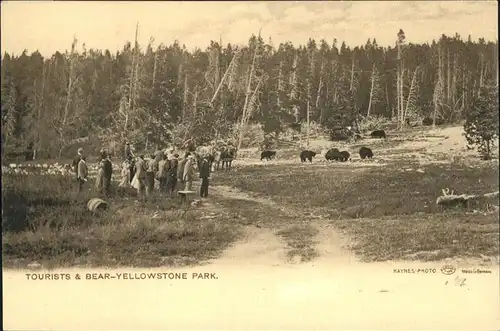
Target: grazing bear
(378, 134)
(307, 155)
(333, 154)
(268, 155)
(427, 121)
(344, 156)
(365, 152)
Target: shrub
(481, 124)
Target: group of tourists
(162, 171)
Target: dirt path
(263, 246)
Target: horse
(227, 157)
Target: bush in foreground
(481, 125)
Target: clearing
(273, 213)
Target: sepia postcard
(257, 165)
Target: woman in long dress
(125, 174)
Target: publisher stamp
(414, 271)
(448, 269)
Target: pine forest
(163, 94)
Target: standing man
(76, 160)
(162, 173)
(204, 175)
(107, 172)
(158, 154)
(82, 173)
(188, 175)
(128, 155)
(172, 172)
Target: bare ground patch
(298, 233)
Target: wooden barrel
(96, 204)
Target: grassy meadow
(389, 212)
(44, 220)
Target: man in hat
(128, 155)
(75, 163)
(81, 173)
(172, 173)
(106, 169)
(162, 172)
(204, 175)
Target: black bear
(333, 154)
(365, 152)
(268, 155)
(307, 155)
(378, 134)
(344, 156)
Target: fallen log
(450, 200)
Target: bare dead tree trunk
(280, 84)
(387, 100)
(321, 114)
(293, 91)
(68, 96)
(308, 125)
(320, 85)
(454, 80)
(448, 80)
(481, 77)
(131, 102)
(351, 85)
(154, 71)
(371, 90)
(217, 67)
(38, 144)
(402, 98)
(439, 88)
(310, 76)
(228, 70)
(411, 95)
(496, 59)
(247, 95)
(399, 84)
(464, 91)
(136, 79)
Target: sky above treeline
(50, 26)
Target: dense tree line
(166, 93)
